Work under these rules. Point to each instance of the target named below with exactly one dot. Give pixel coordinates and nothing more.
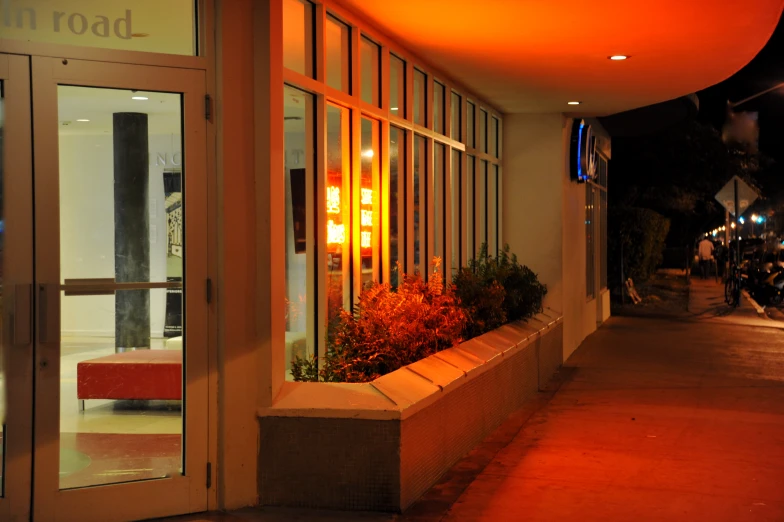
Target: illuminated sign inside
(336, 232)
(333, 200)
(366, 218)
(583, 152)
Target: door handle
(21, 313)
(48, 311)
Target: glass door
(120, 276)
(16, 278)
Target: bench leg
(81, 405)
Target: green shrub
(392, 327)
(496, 290)
(389, 328)
(639, 234)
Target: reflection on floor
(113, 441)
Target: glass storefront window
(369, 184)
(397, 214)
(470, 126)
(439, 207)
(420, 175)
(298, 172)
(369, 54)
(122, 203)
(338, 47)
(420, 89)
(397, 86)
(457, 103)
(470, 187)
(298, 36)
(481, 205)
(338, 215)
(495, 147)
(456, 215)
(483, 130)
(492, 210)
(438, 107)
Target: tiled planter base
(379, 446)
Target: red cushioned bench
(135, 375)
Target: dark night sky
(766, 70)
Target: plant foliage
(495, 290)
(636, 238)
(389, 328)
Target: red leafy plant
(389, 328)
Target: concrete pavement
(654, 421)
(649, 420)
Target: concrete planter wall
(379, 446)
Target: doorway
(103, 213)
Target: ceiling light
(618, 57)
(394, 108)
(139, 98)
(368, 153)
(573, 103)
(82, 119)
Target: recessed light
(82, 119)
(618, 57)
(368, 153)
(393, 108)
(573, 103)
(139, 98)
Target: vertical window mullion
(428, 181)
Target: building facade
(193, 190)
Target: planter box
(379, 446)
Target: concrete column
(131, 230)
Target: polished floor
(113, 441)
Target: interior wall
(87, 228)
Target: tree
(677, 173)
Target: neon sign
(333, 200)
(336, 234)
(583, 153)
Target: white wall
(544, 216)
(532, 185)
(87, 229)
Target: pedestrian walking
(705, 252)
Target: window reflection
(438, 107)
(369, 224)
(338, 43)
(397, 86)
(369, 54)
(470, 125)
(298, 173)
(420, 88)
(338, 213)
(456, 214)
(298, 36)
(397, 147)
(419, 198)
(457, 102)
(439, 207)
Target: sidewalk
(706, 302)
(649, 420)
